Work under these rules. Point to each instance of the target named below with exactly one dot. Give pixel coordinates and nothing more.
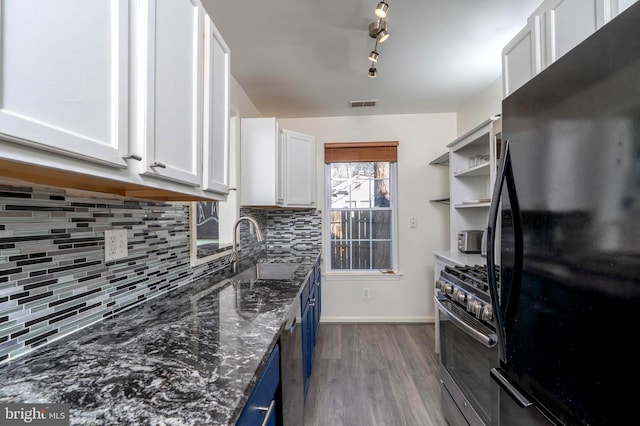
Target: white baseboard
(386, 320)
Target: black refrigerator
(565, 228)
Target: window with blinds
(361, 205)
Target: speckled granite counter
(189, 357)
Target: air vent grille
(360, 104)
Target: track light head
(373, 72)
(378, 30)
(381, 10)
(383, 35)
(373, 56)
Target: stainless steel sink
(268, 271)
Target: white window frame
(393, 185)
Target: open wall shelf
(443, 160)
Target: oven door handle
(489, 340)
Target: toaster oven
(470, 241)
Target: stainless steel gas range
(468, 345)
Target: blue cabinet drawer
(263, 395)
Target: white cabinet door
(299, 161)
(172, 88)
(619, 6)
(216, 113)
(522, 57)
(277, 166)
(280, 166)
(568, 23)
(258, 160)
(64, 80)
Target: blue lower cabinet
(318, 301)
(307, 338)
(261, 407)
(310, 301)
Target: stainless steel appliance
(470, 241)
(568, 202)
(291, 372)
(483, 249)
(467, 344)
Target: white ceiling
(308, 58)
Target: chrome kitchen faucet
(233, 259)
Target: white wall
(422, 137)
(481, 107)
(241, 102)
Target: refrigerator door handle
(510, 389)
(491, 242)
(513, 289)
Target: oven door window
(468, 362)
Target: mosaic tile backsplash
(297, 231)
(53, 277)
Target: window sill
(357, 275)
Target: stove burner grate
(472, 275)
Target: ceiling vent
(360, 104)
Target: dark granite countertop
(188, 357)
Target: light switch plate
(115, 244)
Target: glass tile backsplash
(53, 277)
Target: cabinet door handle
(269, 411)
(158, 164)
(312, 302)
(132, 157)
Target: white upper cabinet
(556, 27)
(216, 111)
(299, 159)
(64, 80)
(260, 185)
(522, 57)
(170, 83)
(129, 97)
(278, 166)
(619, 6)
(569, 22)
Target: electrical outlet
(115, 244)
(366, 292)
(413, 222)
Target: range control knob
(487, 313)
(459, 296)
(448, 288)
(439, 284)
(474, 307)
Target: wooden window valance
(353, 152)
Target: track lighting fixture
(381, 10)
(378, 30)
(382, 36)
(373, 56)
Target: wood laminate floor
(375, 375)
